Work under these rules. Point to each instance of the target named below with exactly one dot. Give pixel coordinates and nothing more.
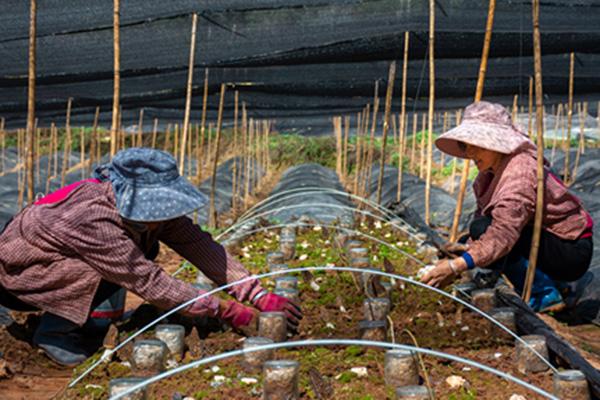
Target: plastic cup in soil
(464, 290)
(280, 380)
(526, 360)
(412, 393)
(120, 385)
(376, 309)
(290, 294)
(287, 246)
(288, 231)
(388, 289)
(360, 262)
(203, 286)
(506, 316)
(351, 244)
(149, 355)
(571, 384)
(174, 338)
(358, 252)
(202, 279)
(273, 325)
(275, 257)
(373, 330)
(286, 282)
(484, 299)
(341, 238)
(278, 267)
(254, 361)
(400, 368)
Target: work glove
(273, 302)
(242, 319)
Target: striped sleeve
(199, 248)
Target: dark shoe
(58, 338)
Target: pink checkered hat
(486, 125)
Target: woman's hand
(443, 274)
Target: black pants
(560, 259)
(105, 290)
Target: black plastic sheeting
(291, 59)
(309, 204)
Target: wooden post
(423, 155)
(478, 94)
(213, 182)
(430, 112)
(337, 132)
(245, 157)
(357, 153)
(167, 142)
(413, 150)
(371, 148)
(365, 151)
(345, 152)
(154, 133)
(38, 134)
(188, 97)
(82, 151)
(117, 79)
(566, 177)
(175, 140)
(200, 156)
(30, 137)
(515, 107)
(581, 145)
(49, 162)
(556, 126)
(93, 142)
(402, 117)
(251, 159)
(3, 144)
(234, 168)
(539, 207)
(55, 173)
(67, 144)
(20, 178)
(386, 123)
(530, 109)
(140, 135)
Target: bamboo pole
(20, 173)
(345, 152)
(365, 151)
(371, 148)
(515, 107)
(55, 173)
(413, 149)
(386, 124)
(556, 126)
(49, 161)
(422, 158)
(117, 78)
(140, 135)
(167, 142)
(31, 101)
(67, 144)
(358, 152)
(82, 151)
(530, 109)
(213, 182)
(188, 97)
(581, 144)
(478, 94)
(245, 155)
(337, 132)
(566, 177)
(3, 144)
(93, 142)
(403, 117)
(175, 140)
(235, 171)
(154, 133)
(189, 151)
(38, 138)
(444, 129)
(200, 155)
(539, 207)
(430, 112)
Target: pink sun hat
(486, 125)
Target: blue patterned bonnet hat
(148, 187)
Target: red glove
(273, 302)
(240, 317)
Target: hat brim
(499, 138)
(159, 203)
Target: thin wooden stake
(67, 144)
(337, 132)
(117, 78)
(200, 155)
(423, 155)
(140, 136)
(539, 207)
(188, 97)
(93, 142)
(530, 109)
(403, 118)
(30, 136)
(345, 152)
(371, 148)
(357, 149)
(581, 144)
(515, 107)
(82, 151)
(556, 126)
(478, 94)
(386, 123)
(175, 140)
(154, 133)
(3, 144)
(430, 112)
(566, 177)
(213, 183)
(413, 149)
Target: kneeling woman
(505, 189)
